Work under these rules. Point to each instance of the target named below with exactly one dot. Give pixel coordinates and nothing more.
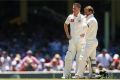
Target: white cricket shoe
(78, 77)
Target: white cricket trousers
(90, 51)
(75, 48)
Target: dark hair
(77, 5)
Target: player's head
(76, 8)
(29, 53)
(88, 10)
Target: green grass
(50, 79)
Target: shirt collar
(77, 14)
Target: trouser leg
(91, 50)
(81, 60)
(70, 55)
(84, 55)
(89, 68)
(93, 60)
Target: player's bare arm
(67, 31)
(82, 35)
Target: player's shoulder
(70, 15)
(82, 15)
(93, 19)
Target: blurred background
(35, 28)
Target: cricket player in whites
(76, 36)
(91, 42)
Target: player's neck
(77, 14)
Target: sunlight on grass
(49, 79)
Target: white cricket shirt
(78, 25)
(92, 27)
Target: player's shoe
(93, 76)
(78, 77)
(66, 77)
(63, 77)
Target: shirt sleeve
(92, 23)
(67, 20)
(35, 60)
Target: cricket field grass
(49, 79)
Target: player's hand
(82, 35)
(69, 37)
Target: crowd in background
(49, 57)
